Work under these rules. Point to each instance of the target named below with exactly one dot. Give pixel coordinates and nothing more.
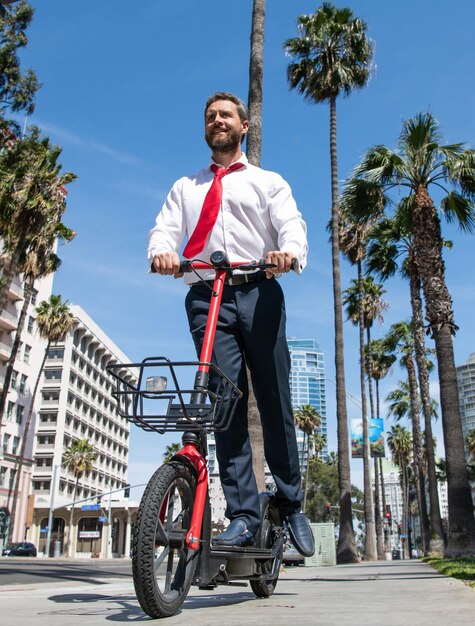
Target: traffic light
(127, 492)
(399, 529)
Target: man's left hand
(282, 260)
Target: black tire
(163, 573)
(269, 532)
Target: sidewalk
(393, 593)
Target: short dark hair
(226, 95)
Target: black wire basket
(156, 395)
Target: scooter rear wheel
(268, 534)
(162, 565)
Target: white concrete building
(26, 369)
(75, 403)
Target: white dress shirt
(258, 214)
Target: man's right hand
(167, 264)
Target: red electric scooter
(172, 547)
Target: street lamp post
(51, 509)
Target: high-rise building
(307, 383)
(466, 389)
(75, 403)
(18, 401)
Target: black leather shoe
(235, 535)
(301, 533)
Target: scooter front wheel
(162, 564)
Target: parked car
(22, 548)
(291, 556)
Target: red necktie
(209, 212)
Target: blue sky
(124, 86)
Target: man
(248, 213)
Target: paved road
(393, 593)
(21, 571)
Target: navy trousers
(251, 326)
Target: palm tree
(170, 451)
(392, 246)
(78, 459)
(419, 163)
(400, 445)
(332, 57)
(38, 263)
(54, 321)
(363, 305)
(401, 338)
(253, 151)
(380, 365)
(32, 200)
(307, 419)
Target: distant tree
(78, 458)
(170, 451)
(323, 489)
(17, 88)
(331, 57)
(400, 443)
(307, 419)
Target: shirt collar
(242, 159)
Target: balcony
(15, 291)
(5, 351)
(8, 321)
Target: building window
(13, 382)
(26, 353)
(19, 413)
(31, 323)
(6, 440)
(3, 473)
(12, 479)
(34, 296)
(10, 409)
(53, 375)
(16, 443)
(23, 380)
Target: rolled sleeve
(287, 221)
(169, 230)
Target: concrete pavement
(391, 593)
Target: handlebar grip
(185, 266)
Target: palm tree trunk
(377, 501)
(437, 535)
(71, 518)
(427, 236)
(16, 345)
(370, 535)
(256, 437)
(256, 71)
(417, 454)
(377, 512)
(253, 150)
(21, 459)
(405, 510)
(346, 550)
